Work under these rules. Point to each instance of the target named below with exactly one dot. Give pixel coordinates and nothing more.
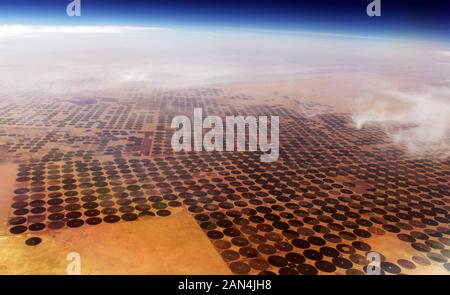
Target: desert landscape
(98, 177)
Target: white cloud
(419, 120)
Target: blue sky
(411, 19)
